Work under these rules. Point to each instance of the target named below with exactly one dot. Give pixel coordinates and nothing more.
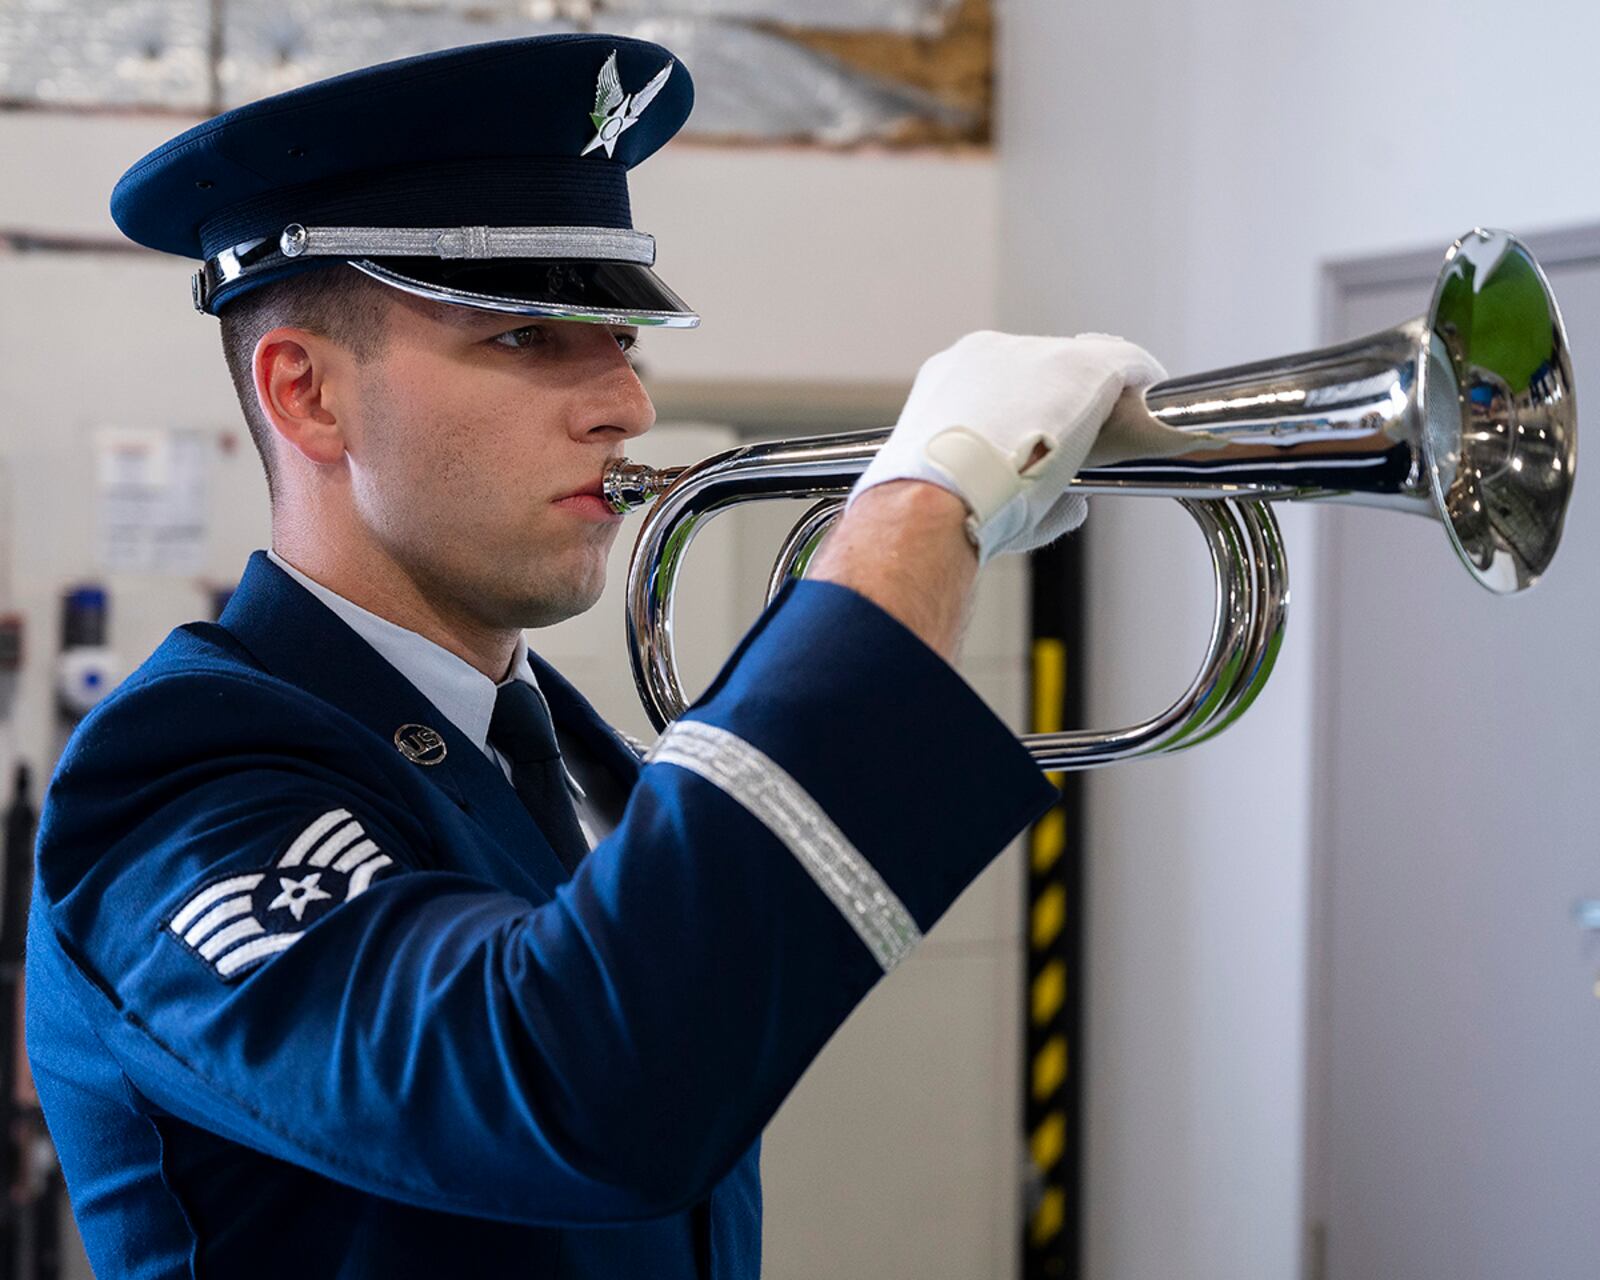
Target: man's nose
(624, 409)
(638, 413)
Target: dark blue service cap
(492, 175)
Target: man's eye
(629, 342)
(521, 339)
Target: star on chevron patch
(236, 922)
(615, 112)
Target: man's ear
(290, 368)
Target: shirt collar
(463, 693)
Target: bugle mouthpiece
(629, 485)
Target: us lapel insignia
(420, 744)
(615, 112)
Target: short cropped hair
(336, 302)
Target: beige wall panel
(896, 1158)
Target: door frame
(1341, 280)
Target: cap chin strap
(606, 244)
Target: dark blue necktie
(521, 731)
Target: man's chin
(554, 606)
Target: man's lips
(588, 501)
(594, 489)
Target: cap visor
(593, 292)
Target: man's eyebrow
(474, 318)
(469, 317)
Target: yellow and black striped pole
(1053, 1000)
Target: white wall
(813, 265)
(1178, 171)
(806, 265)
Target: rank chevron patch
(239, 921)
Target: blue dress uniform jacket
(300, 1003)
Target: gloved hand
(979, 410)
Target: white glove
(979, 409)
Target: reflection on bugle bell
(1465, 414)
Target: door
(1455, 1039)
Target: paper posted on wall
(151, 492)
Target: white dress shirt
(464, 695)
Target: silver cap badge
(616, 112)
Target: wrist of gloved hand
(988, 483)
(966, 465)
(1004, 422)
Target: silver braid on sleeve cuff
(783, 806)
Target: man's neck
(380, 586)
